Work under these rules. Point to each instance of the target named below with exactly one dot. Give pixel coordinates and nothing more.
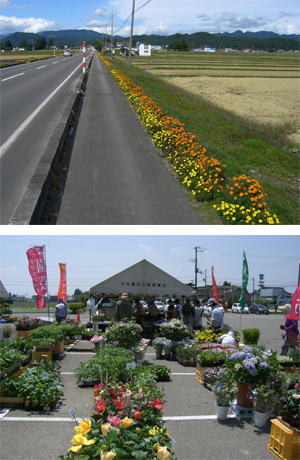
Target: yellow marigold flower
(154, 431)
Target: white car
(236, 308)
(161, 307)
(67, 53)
(145, 305)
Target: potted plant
(264, 398)
(251, 366)
(161, 373)
(225, 391)
(125, 333)
(251, 336)
(174, 330)
(7, 332)
(158, 345)
(291, 406)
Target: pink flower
(114, 420)
(297, 385)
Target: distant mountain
(236, 40)
(262, 34)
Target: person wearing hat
(291, 331)
(61, 311)
(217, 318)
(123, 308)
(227, 339)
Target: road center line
(9, 78)
(23, 126)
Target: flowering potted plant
(6, 331)
(174, 330)
(225, 391)
(98, 341)
(139, 350)
(159, 344)
(264, 398)
(125, 333)
(291, 406)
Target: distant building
(3, 292)
(276, 293)
(206, 49)
(144, 49)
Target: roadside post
(83, 69)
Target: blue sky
(91, 259)
(151, 17)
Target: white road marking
(41, 67)
(14, 76)
(55, 62)
(63, 419)
(24, 125)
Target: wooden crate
(58, 347)
(6, 401)
(43, 355)
(23, 334)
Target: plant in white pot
(264, 399)
(225, 391)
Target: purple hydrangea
(264, 364)
(234, 356)
(250, 366)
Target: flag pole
(48, 299)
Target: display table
(102, 325)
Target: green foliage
(251, 336)
(77, 307)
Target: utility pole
(131, 33)
(197, 248)
(112, 25)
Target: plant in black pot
(251, 336)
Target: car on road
(68, 52)
(236, 308)
(259, 309)
(161, 307)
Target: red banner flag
(62, 291)
(215, 292)
(295, 305)
(38, 271)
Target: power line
(130, 16)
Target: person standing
(170, 311)
(217, 318)
(198, 312)
(178, 309)
(61, 311)
(291, 331)
(139, 312)
(188, 313)
(123, 308)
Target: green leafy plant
(218, 357)
(224, 389)
(125, 333)
(174, 330)
(251, 336)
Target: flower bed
(242, 199)
(127, 423)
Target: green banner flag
(245, 281)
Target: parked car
(259, 309)
(236, 308)
(161, 307)
(68, 52)
(145, 305)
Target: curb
(31, 206)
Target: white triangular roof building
(3, 291)
(142, 278)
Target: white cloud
(145, 248)
(177, 249)
(32, 25)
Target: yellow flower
(84, 427)
(105, 428)
(126, 422)
(78, 441)
(154, 431)
(163, 453)
(107, 455)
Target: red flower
(101, 406)
(155, 403)
(119, 404)
(137, 415)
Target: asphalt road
(116, 176)
(33, 98)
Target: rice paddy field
(268, 83)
